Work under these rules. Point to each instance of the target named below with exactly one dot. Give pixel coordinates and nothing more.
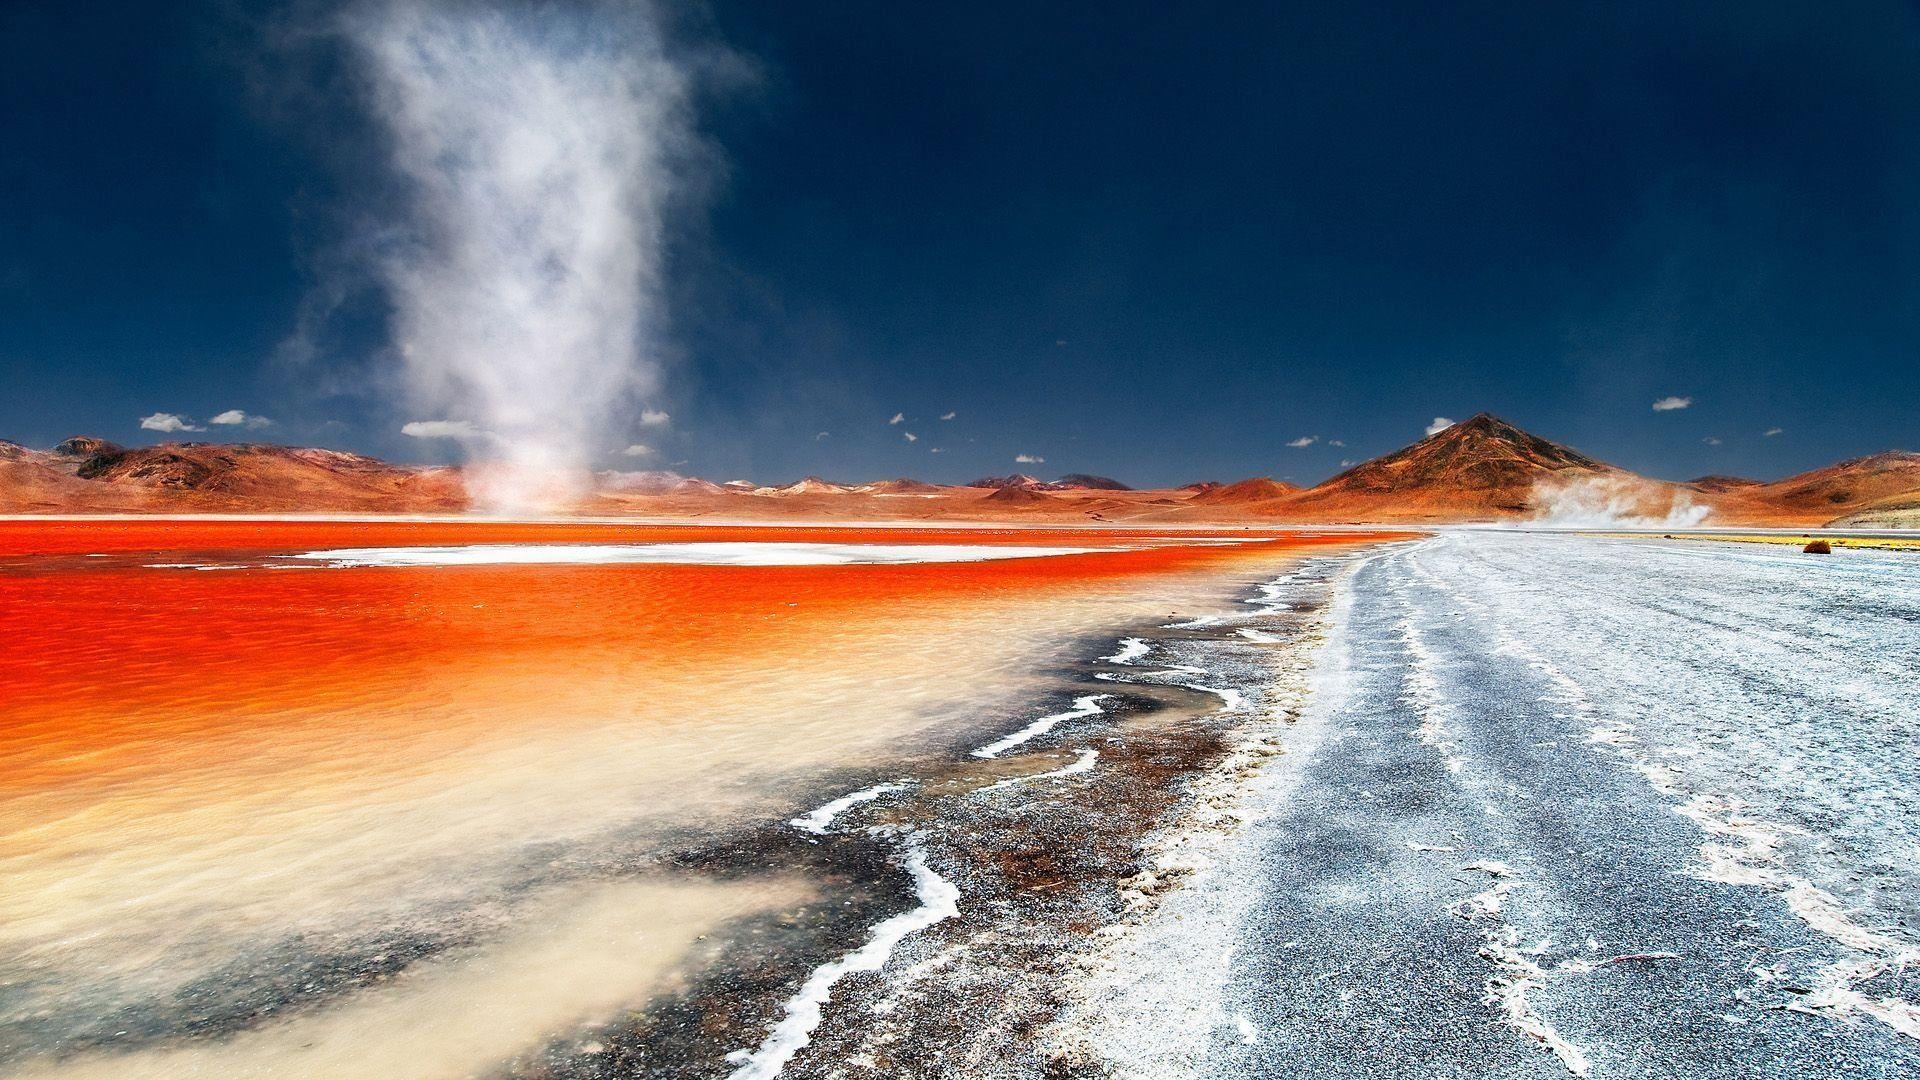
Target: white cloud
(948, 415)
(823, 436)
(654, 418)
(1711, 440)
(1303, 441)
(1346, 464)
(1336, 442)
(1030, 459)
(1440, 424)
(440, 429)
(166, 421)
(1668, 404)
(1771, 432)
(898, 418)
(640, 450)
(911, 437)
(936, 450)
(235, 417)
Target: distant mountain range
(1480, 469)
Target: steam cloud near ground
(1628, 502)
(537, 145)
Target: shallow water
(413, 820)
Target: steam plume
(536, 145)
(1613, 502)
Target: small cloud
(655, 418)
(1303, 441)
(440, 429)
(235, 417)
(1668, 404)
(1440, 424)
(823, 436)
(1029, 459)
(1771, 432)
(898, 418)
(166, 421)
(640, 450)
(1336, 442)
(936, 450)
(1059, 344)
(1345, 464)
(948, 415)
(1711, 440)
(911, 437)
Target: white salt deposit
(746, 553)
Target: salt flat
(1564, 804)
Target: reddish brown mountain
(902, 486)
(1015, 495)
(1875, 487)
(1847, 485)
(1482, 467)
(92, 474)
(1720, 484)
(1259, 489)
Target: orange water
(199, 767)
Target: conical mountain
(1482, 466)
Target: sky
(1159, 242)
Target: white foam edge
(1082, 707)
(817, 820)
(939, 901)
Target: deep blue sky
(1158, 241)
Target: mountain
(1719, 484)
(1015, 495)
(1848, 485)
(1481, 467)
(809, 485)
(1089, 482)
(90, 474)
(642, 482)
(1858, 491)
(1259, 489)
(86, 446)
(902, 486)
(1017, 480)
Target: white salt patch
(768, 553)
(1131, 649)
(817, 821)
(1231, 700)
(1083, 764)
(939, 900)
(1082, 708)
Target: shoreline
(1051, 860)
